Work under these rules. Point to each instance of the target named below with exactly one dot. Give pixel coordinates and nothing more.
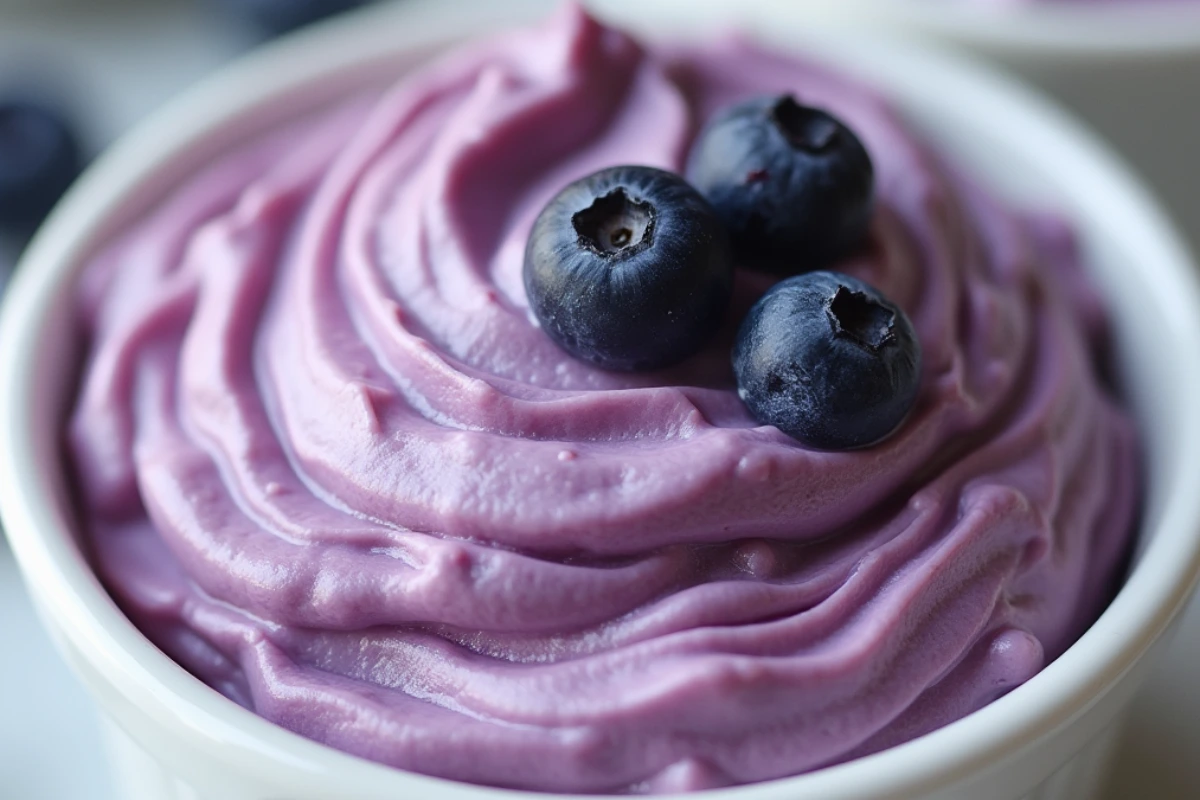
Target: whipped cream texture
(328, 463)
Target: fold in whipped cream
(329, 464)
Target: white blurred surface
(115, 60)
(49, 731)
(110, 62)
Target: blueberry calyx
(828, 360)
(792, 183)
(861, 319)
(804, 128)
(615, 224)
(628, 268)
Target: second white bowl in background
(1130, 68)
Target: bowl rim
(1135, 29)
(86, 621)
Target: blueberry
(793, 184)
(39, 158)
(629, 268)
(828, 360)
(276, 17)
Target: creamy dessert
(329, 461)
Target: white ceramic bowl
(173, 737)
(1100, 27)
(1129, 67)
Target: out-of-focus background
(104, 64)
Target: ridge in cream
(330, 464)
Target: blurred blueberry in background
(275, 17)
(40, 156)
(74, 74)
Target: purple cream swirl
(329, 463)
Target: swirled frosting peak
(329, 463)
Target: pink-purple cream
(328, 463)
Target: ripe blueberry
(828, 360)
(39, 158)
(629, 268)
(792, 183)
